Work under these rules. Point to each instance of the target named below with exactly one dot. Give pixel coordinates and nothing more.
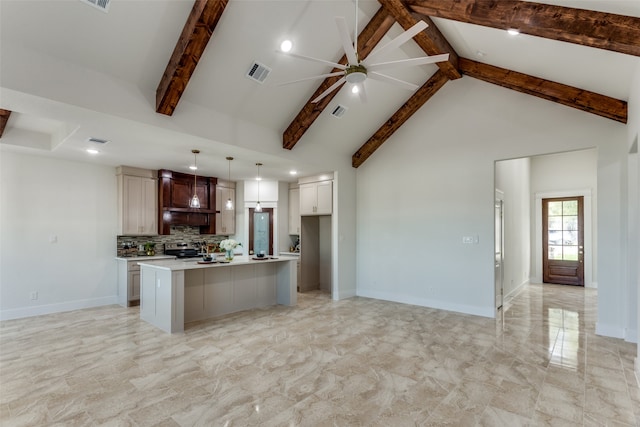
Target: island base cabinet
(162, 298)
(219, 291)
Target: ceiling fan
(357, 71)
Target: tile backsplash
(179, 233)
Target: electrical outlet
(467, 240)
(34, 295)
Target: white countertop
(290, 253)
(145, 257)
(192, 263)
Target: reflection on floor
(353, 362)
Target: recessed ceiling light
(286, 46)
(92, 151)
(513, 31)
(293, 172)
(193, 167)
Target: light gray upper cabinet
(137, 202)
(316, 198)
(294, 211)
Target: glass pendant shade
(229, 205)
(195, 201)
(259, 178)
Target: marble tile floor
(357, 362)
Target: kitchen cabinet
(294, 211)
(175, 189)
(129, 278)
(225, 219)
(137, 202)
(316, 198)
(128, 282)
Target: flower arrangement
(229, 244)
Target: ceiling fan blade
(408, 62)
(400, 40)
(347, 45)
(329, 90)
(392, 80)
(321, 76)
(308, 58)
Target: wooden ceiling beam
(196, 33)
(367, 40)
(601, 30)
(431, 40)
(4, 118)
(570, 96)
(419, 98)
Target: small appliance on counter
(181, 250)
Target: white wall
(432, 183)
(633, 138)
(42, 199)
(566, 174)
(513, 179)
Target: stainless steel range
(181, 250)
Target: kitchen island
(175, 292)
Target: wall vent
(258, 72)
(98, 141)
(103, 5)
(339, 111)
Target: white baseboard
(425, 302)
(344, 295)
(609, 330)
(38, 310)
(631, 335)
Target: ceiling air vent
(339, 111)
(97, 140)
(103, 5)
(258, 72)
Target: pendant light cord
(355, 33)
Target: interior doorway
(563, 241)
(499, 244)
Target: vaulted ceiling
(580, 54)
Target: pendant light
(195, 201)
(258, 178)
(229, 205)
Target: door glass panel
(555, 223)
(555, 208)
(570, 207)
(570, 253)
(563, 230)
(555, 237)
(261, 232)
(570, 222)
(555, 252)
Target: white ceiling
(130, 45)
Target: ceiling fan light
(286, 46)
(355, 89)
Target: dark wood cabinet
(175, 190)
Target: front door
(261, 231)
(563, 241)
